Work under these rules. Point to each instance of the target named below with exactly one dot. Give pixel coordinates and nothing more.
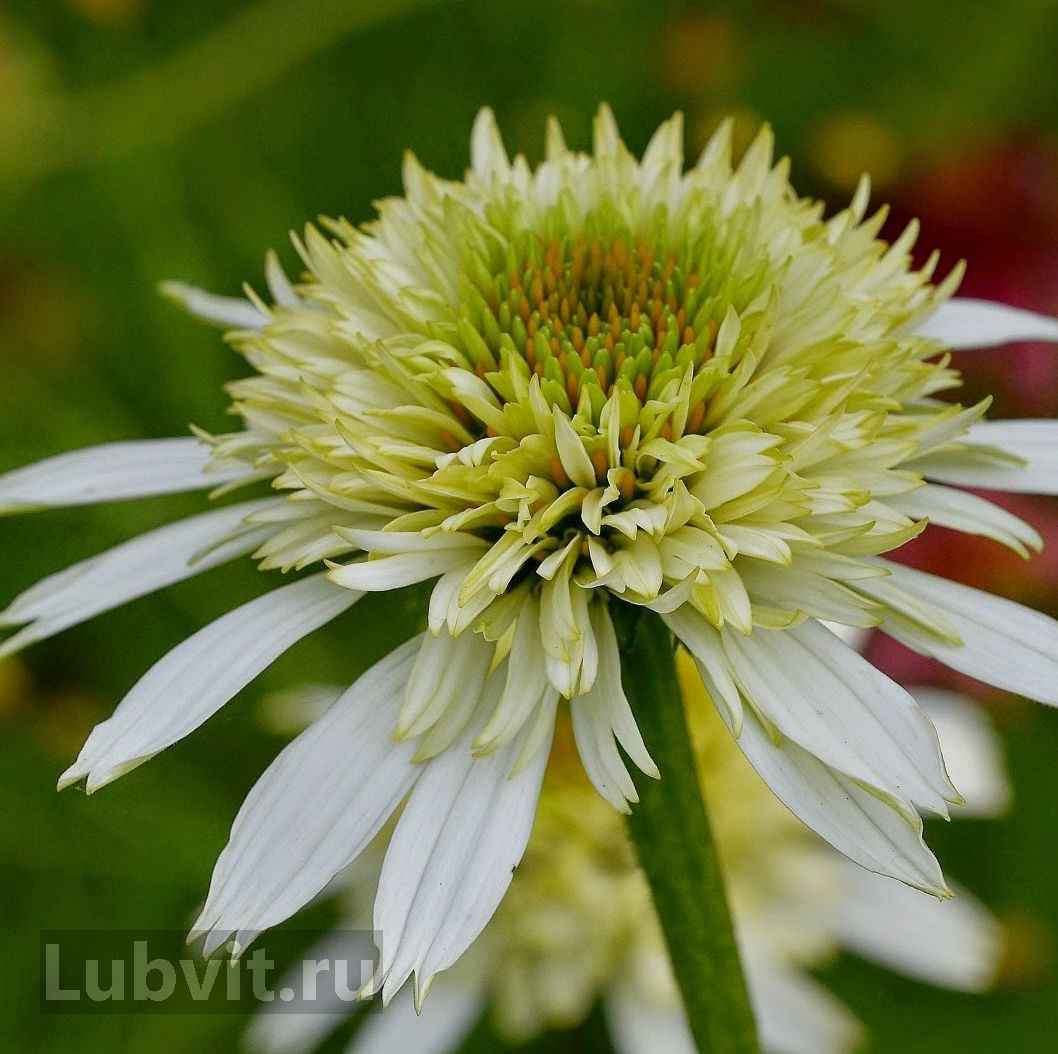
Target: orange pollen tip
(558, 473)
(600, 463)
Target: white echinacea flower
(554, 390)
(577, 925)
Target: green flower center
(586, 313)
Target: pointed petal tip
(14, 507)
(422, 990)
(404, 731)
(100, 775)
(371, 987)
(173, 290)
(959, 800)
(71, 776)
(97, 779)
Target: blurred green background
(142, 140)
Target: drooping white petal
(138, 567)
(602, 761)
(964, 322)
(574, 673)
(703, 642)
(824, 696)
(973, 752)
(448, 671)
(968, 513)
(857, 823)
(452, 857)
(795, 1014)
(796, 589)
(955, 944)
(199, 676)
(1003, 643)
(315, 808)
(975, 464)
(447, 1018)
(137, 468)
(229, 312)
(602, 716)
(286, 1028)
(639, 1023)
(526, 686)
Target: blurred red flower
(997, 208)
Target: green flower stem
(672, 835)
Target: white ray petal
(703, 642)
(625, 728)
(404, 569)
(199, 676)
(229, 312)
(134, 569)
(796, 1015)
(602, 761)
(823, 695)
(526, 685)
(955, 944)
(603, 716)
(797, 589)
(316, 807)
(447, 1018)
(1032, 441)
(639, 1023)
(972, 751)
(1003, 643)
(136, 468)
(963, 322)
(284, 1028)
(447, 672)
(968, 513)
(452, 857)
(857, 823)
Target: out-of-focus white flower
(601, 381)
(577, 924)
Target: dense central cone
(586, 312)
